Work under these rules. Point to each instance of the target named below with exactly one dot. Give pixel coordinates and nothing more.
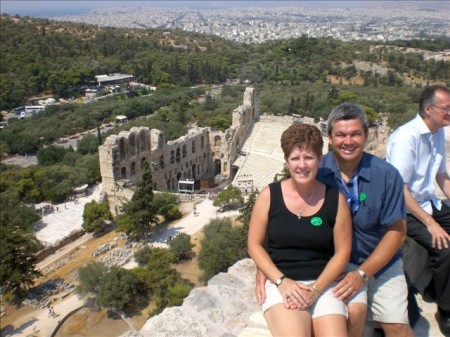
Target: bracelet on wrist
(315, 290)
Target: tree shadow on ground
(9, 330)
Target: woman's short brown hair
(303, 136)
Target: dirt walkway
(41, 322)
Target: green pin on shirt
(316, 221)
(362, 196)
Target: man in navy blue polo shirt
(374, 189)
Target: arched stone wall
(200, 154)
(226, 145)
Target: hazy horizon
(59, 8)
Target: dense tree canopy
(89, 279)
(43, 55)
(118, 288)
(221, 247)
(230, 196)
(181, 247)
(160, 280)
(17, 246)
(94, 216)
(17, 270)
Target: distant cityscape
(257, 25)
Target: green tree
(171, 212)
(89, 280)
(89, 166)
(346, 97)
(177, 293)
(28, 190)
(142, 256)
(157, 269)
(372, 115)
(222, 246)
(210, 103)
(139, 212)
(118, 288)
(51, 155)
(99, 137)
(246, 210)
(181, 247)
(219, 123)
(17, 260)
(333, 96)
(163, 199)
(283, 175)
(94, 216)
(88, 144)
(231, 196)
(17, 246)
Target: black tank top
(301, 248)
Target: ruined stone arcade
(200, 155)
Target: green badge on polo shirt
(362, 196)
(316, 221)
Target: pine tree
(99, 137)
(17, 270)
(139, 212)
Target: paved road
(190, 223)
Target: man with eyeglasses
(417, 150)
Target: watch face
(363, 275)
(279, 280)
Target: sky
(58, 8)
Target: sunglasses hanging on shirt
(352, 198)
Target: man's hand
(440, 237)
(350, 284)
(260, 286)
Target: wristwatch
(278, 281)
(363, 275)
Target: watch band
(363, 275)
(278, 281)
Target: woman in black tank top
(300, 239)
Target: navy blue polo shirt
(382, 201)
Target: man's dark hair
(347, 111)
(428, 95)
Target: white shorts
(327, 304)
(387, 295)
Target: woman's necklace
(300, 211)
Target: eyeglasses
(444, 109)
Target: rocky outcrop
(224, 308)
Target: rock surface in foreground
(221, 309)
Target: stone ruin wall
(200, 154)
(186, 158)
(226, 145)
(121, 159)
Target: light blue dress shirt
(419, 156)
